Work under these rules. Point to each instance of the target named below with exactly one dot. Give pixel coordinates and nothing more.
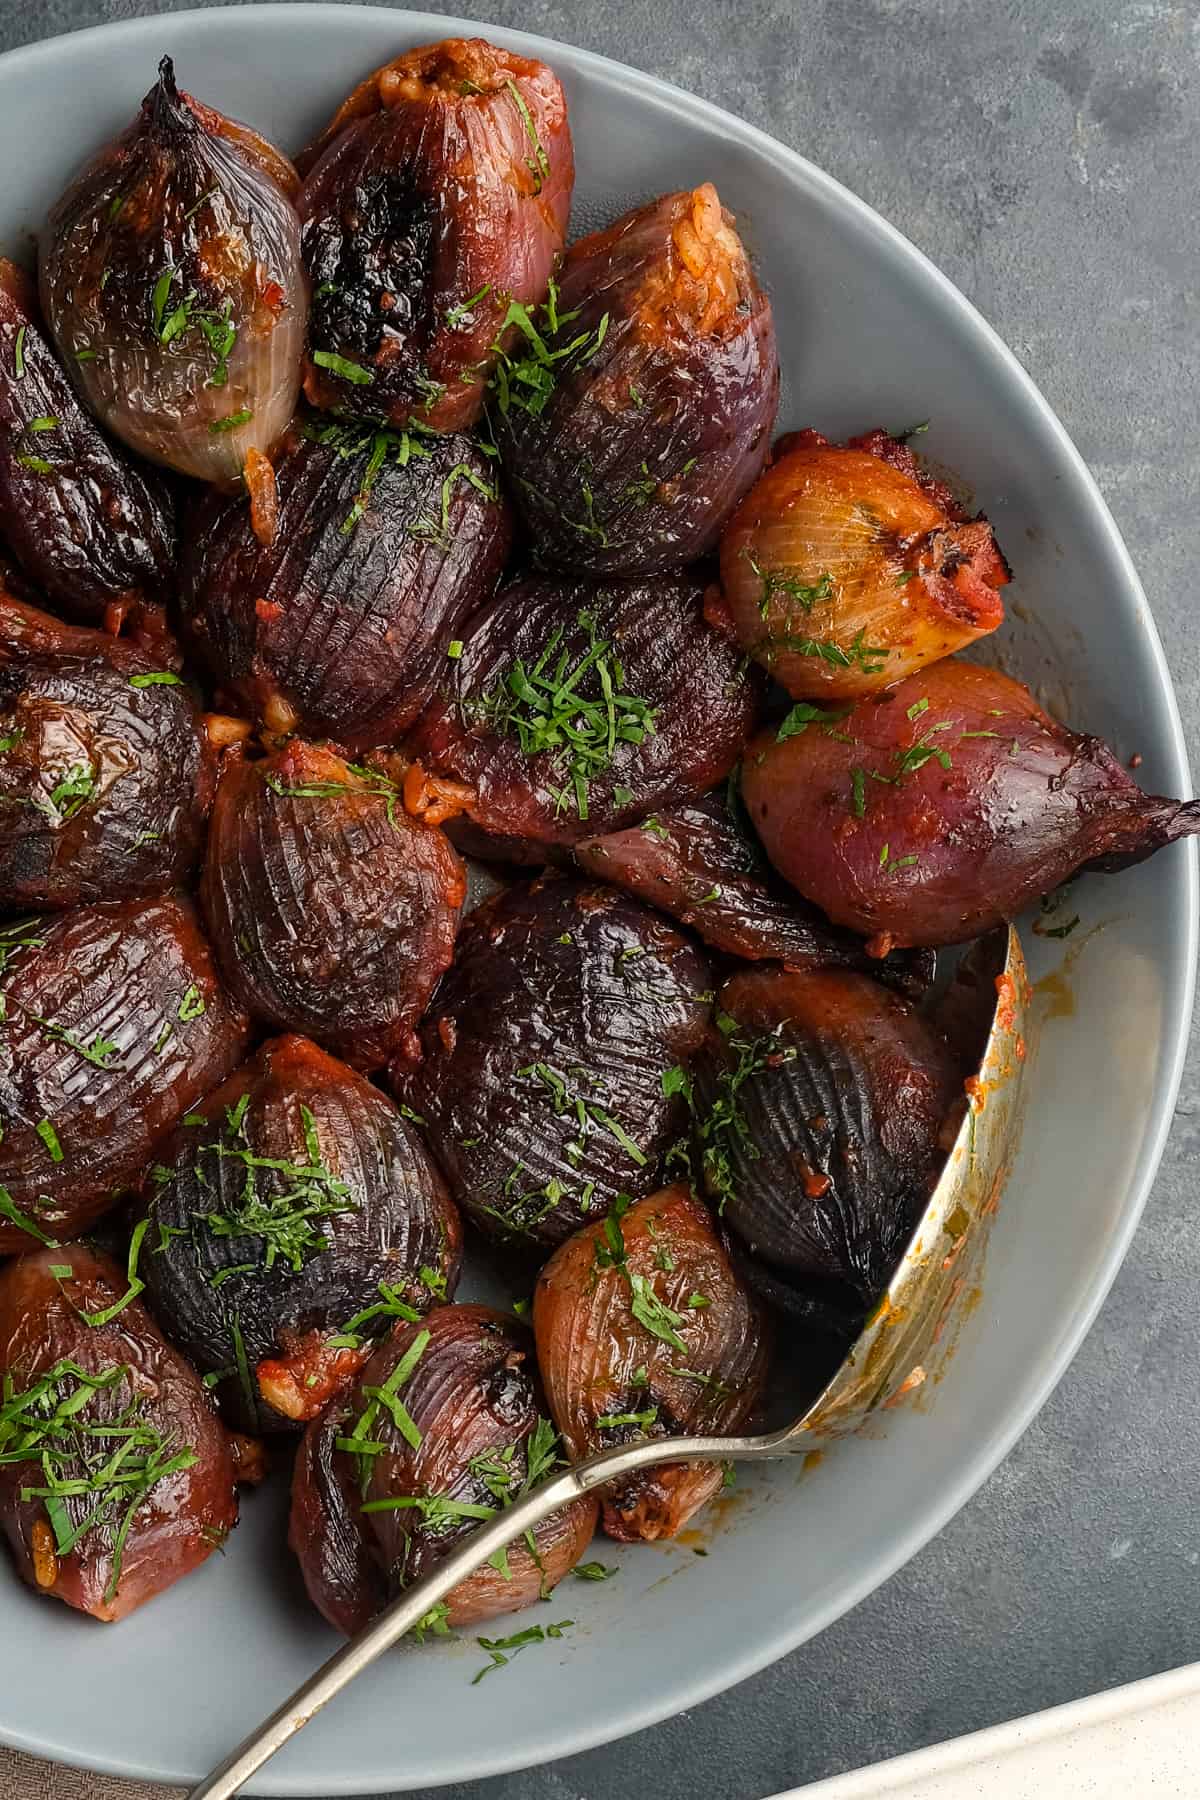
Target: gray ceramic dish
(870, 333)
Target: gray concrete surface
(1045, 155)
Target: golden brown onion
(845, 571)
(643, 1330)
(452, 1418)
(172, 284)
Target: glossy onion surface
(574, 709)
(846, 570)
(77, 1391)
(106, 770)
(435, 202)
(464, 1434)
(820, 1108)
(946, 806)
(91, 528)
(295, 1199)
(702, 866)
(342, 623)
(637, 409)
(545, 1050)
(172, 283)
(332, 911)
(644, 1330)
(113, 1024)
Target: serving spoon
(894, 1354)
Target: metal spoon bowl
(896, 1353)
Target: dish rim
(571, 1737)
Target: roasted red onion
(643, 1330)
(701, 865)
(116, 1478)
(113, 1023)
(341, 624)
(294, 1216)
(106, 770)
(576, 709)
(846, 569)
(945, 806)
(172, 284)
(636, 407)
(92, 529)
(332, 911)
(545, 1051)
(452, 1422)
(821, 1105)
(434, 205)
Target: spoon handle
(411, 1606)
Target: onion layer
(945, 807)
(820, 1112)
(106, 770)
(643, 1330)
(545, 1052)
(172, 284)
(639, 408)
(699, 864)
(576, 709)
(298, 1215)
(170, 1500)
(434, 205)
(341, 623)
(459, 1434)
(332, 911)
(844, 571)
(114, 1024)
(88, 526)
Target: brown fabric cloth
(28, 1778)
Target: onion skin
(132, 976)
(1024, 803)
(438, 193)
(845, 570)
(840, 1133)
(342, 621)
(188, 191)
(333, 913)
(187, 1514)
(474, 1392)
(584, 982)
(70, 716)
(698, 864)
(92, 530)
(396, 1219)
(703, 698)
(651, 437)
(590, 1344)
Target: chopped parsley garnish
(525, 377)
(796, 592)
(215, 325)
(342, 365)
(11, 1211)
(918, 754)
(370, 782)
(593, 1571)
(658, 1318)
(12, 740)
(377, 445)
(98, 1469)
(458, 315)
(99, 1052)
(69, 795)
(537, 162)
(804, 714)
(361, 1442)
(49, 1137)
(502, 1650)
(157, 678)
(454, 649)
(437, 531)
(723, 1131)
(545, 709)
(585, 1111)
(19, 354)
(871, 657)
(36, 464)
(191, 1006)
(231, 421)
(136, 1284)
(612, 1421)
